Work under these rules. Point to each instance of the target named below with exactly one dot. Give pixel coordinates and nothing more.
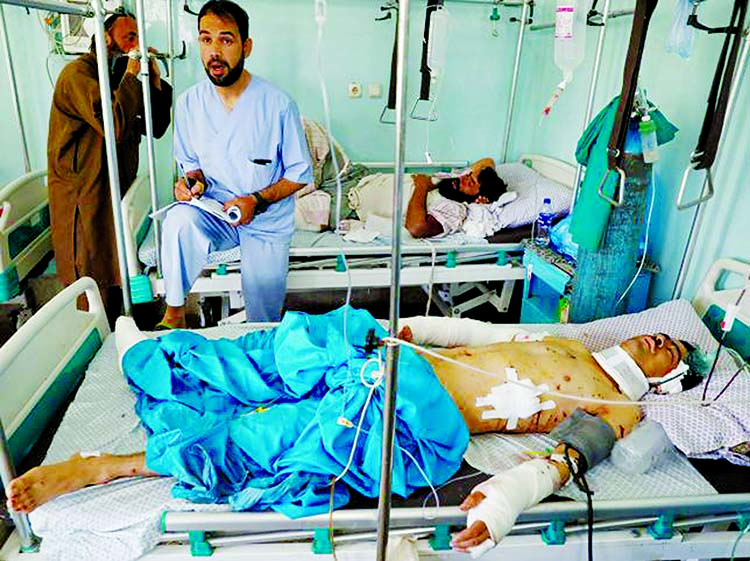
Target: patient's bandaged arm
(454, 332)
(509, 493)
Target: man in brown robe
(83, 233)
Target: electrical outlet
(354, 89)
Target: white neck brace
(623, 370)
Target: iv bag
(438, 48)
(681, 35)
(570, 36)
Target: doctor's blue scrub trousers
(189, 235)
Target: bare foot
(44, 483)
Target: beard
(230, 77)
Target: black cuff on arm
(589, 435)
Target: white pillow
(532, 188)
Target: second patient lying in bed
(428, 215)
(274, 418)
(437, 205)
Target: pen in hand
(192, 184)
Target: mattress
(121, 520)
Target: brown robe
(83, 232)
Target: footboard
(42, 363)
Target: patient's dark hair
(490, 186)
(227, 9)
(698, 365)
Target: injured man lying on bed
(460, 201)
(290, 418)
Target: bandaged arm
(455, 332)
(508, 494)
(587, 439)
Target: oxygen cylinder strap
(424, 91)
(641, 19)
(718, 97)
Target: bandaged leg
(454, 332)
(127, 335)
(508, 494)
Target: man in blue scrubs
(240, 141)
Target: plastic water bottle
(642, 449)
(650, 147)
(570, 36)
(543, 224)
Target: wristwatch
(261, 204)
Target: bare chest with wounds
(564, 365)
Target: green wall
(472, 103)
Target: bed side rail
(42, 362)
(719, 293)
(24, 229)
(551, 168)
(711, 292)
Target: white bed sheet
(121, 520)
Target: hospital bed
(25, 235)
(326, 261)
(659, 514)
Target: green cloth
(589, 221)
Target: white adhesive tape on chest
(508, 494)
(514, 400)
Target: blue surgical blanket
(265, 421)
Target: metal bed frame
(625, 529)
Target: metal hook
(182, 55)
(692, 21)
(595, 18)
(188, 10)
(620, 190)
(530, 19)
(388, 8)
(705, 194)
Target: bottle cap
(647, 125)
(547, 201)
